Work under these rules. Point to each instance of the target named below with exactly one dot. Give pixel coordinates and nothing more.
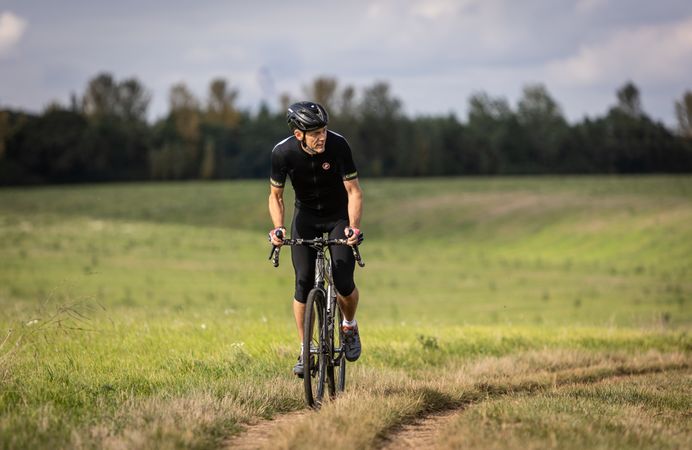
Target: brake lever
(274, 255)
(356, 252)
(356, 255)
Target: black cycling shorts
(309, 226)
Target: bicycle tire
(331, 383)
(329, 336)
(341, 380)
(314, 349)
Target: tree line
(104, 135)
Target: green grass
(645, 411)
(147, 315)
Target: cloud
(653, 54)
(589, 6)
(438, 9)
(12, 28)
(434, 53)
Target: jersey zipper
(314, 181)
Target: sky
(434, 54)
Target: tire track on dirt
(422, 431)
(261, 434)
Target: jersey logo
(326, 166)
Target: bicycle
(320, 355)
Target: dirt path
(420, 434)
(260, 434)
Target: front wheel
(315, 363)
(341, 359)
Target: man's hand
(276, 236)
(354, 236)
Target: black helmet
(307, 116)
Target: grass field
(548, 312)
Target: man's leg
(299, 314)
(343, 264)
(348, 304)
(303, 259)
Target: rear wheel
(315, 363)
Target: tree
(683, 111)
(4, 131)
(633, 143)
(118, 134)
(484, 109)
(493, 133)
(101, 96)
(537, 106)
(132, 101)
(380, 134)
(185, 112)
(177, 152)
(104, 135)
(348, 102)
(221, 109)
(284, 102)
(629, 102)
(105, 97)
(50, 148)
(323, 91)
(379, 104)
(544, 126)
(220, 120)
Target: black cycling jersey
(318, 180)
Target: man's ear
(298, 134)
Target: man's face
(315, 139)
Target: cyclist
(328, 199)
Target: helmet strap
(304, 144)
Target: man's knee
(302, 289)
(343, 278)
(347, 291)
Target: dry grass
(199, 419)
(381, 402)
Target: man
(328, 200)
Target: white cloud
(650, 54)
(438, 9)
(435, 53)
(12, 28)
(589, 6)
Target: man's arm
(276, 208)
(355, 202)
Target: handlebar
(318, 243)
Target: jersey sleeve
(348, 167)
(277, 177)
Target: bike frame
(323, 275)
(328, 356)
